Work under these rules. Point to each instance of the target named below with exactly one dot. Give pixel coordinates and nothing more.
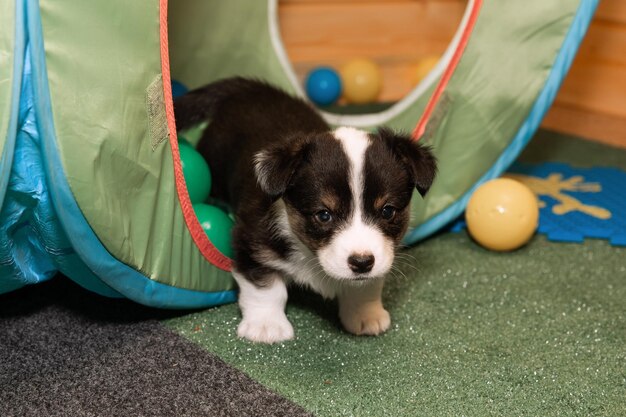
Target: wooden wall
(592, 100)
(591, 103)
(320, 32)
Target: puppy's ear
(418, 158)
(275, 165)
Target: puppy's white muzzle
(358, 252)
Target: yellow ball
(361, 81)
(423, 68)
(502, 214)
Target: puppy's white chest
(304, 269)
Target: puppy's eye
(323, 216)
(388, 212)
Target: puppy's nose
(361, 262)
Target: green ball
(197, 174)
(182, 141)
(217, 225)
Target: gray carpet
(66, 352)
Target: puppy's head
(347, 194)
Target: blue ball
(323, 86)
(178, 89)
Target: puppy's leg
(361, 309)
(263, 310)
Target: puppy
(322, 208)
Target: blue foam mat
(576, 203)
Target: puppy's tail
(199, 105)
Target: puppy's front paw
(266, 329)
(366, 320)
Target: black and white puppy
(322, 208)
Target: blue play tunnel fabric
(42, 229)
(33, 245)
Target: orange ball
(361, 81)
(502, 214)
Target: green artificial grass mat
(540, 331)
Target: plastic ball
(182, 141)
(217, 225)
(197, 174)
(423, 68)
(178, 89)
(323, 86)
(502, 214)
(362, 81)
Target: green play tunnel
(91, 182)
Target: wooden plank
(604, 42)
(598, 127)
(598, 88)
(314, 32)
(396, 35)
(597, 80)
(612, 11)
(592, 100)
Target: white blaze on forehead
(354, 143)
(357, 237)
